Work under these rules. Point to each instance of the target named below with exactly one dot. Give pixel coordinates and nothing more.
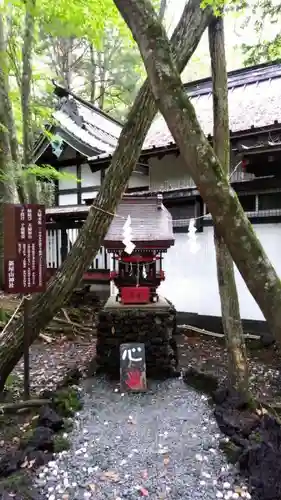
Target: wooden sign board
(24, 248)
(132, 367)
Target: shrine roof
(254, 97)
(151, 222)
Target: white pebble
(206, 474)
(202, 483)
(228, 495)
(219, 494)
(52, 464)
(226, 486)
(199, 457)
(52, 497)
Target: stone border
(255, 435)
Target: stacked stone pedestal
(153, 324)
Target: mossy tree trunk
(8, 192)
(29, 188)
(232, 325)
(26, 77)
(43, 307)
(202, 163)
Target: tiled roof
(151, 221)
(254, 101)
(86, 123)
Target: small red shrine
(138, 275)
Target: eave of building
(104, 159)
(264, 148)
(254, 108)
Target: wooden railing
(59, 243)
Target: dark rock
(40, 457)
(230, 398)
(232, 421)
(42, 439)
(258, 437)
(262, 463)
(10, 463)
(203, 381)
(49, 418)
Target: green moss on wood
(18, 484)
(67, 402)
(61, 443)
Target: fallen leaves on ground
(143, 491)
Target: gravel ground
(160, 444)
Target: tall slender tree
(232, 325)
(7, 184)
(43, 307)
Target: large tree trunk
(43, 307)
(26, 80)
(29, 184)
(202, 163)
(7, 182)
(232, 325)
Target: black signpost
(132, 367)
(25, 262)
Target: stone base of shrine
(152, 324)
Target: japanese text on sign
(24, 248)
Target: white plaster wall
(89, 178)
(68, 199)
(138, 180)
(68, 183)
(169, 172)
(91, 194)
(191, 280)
